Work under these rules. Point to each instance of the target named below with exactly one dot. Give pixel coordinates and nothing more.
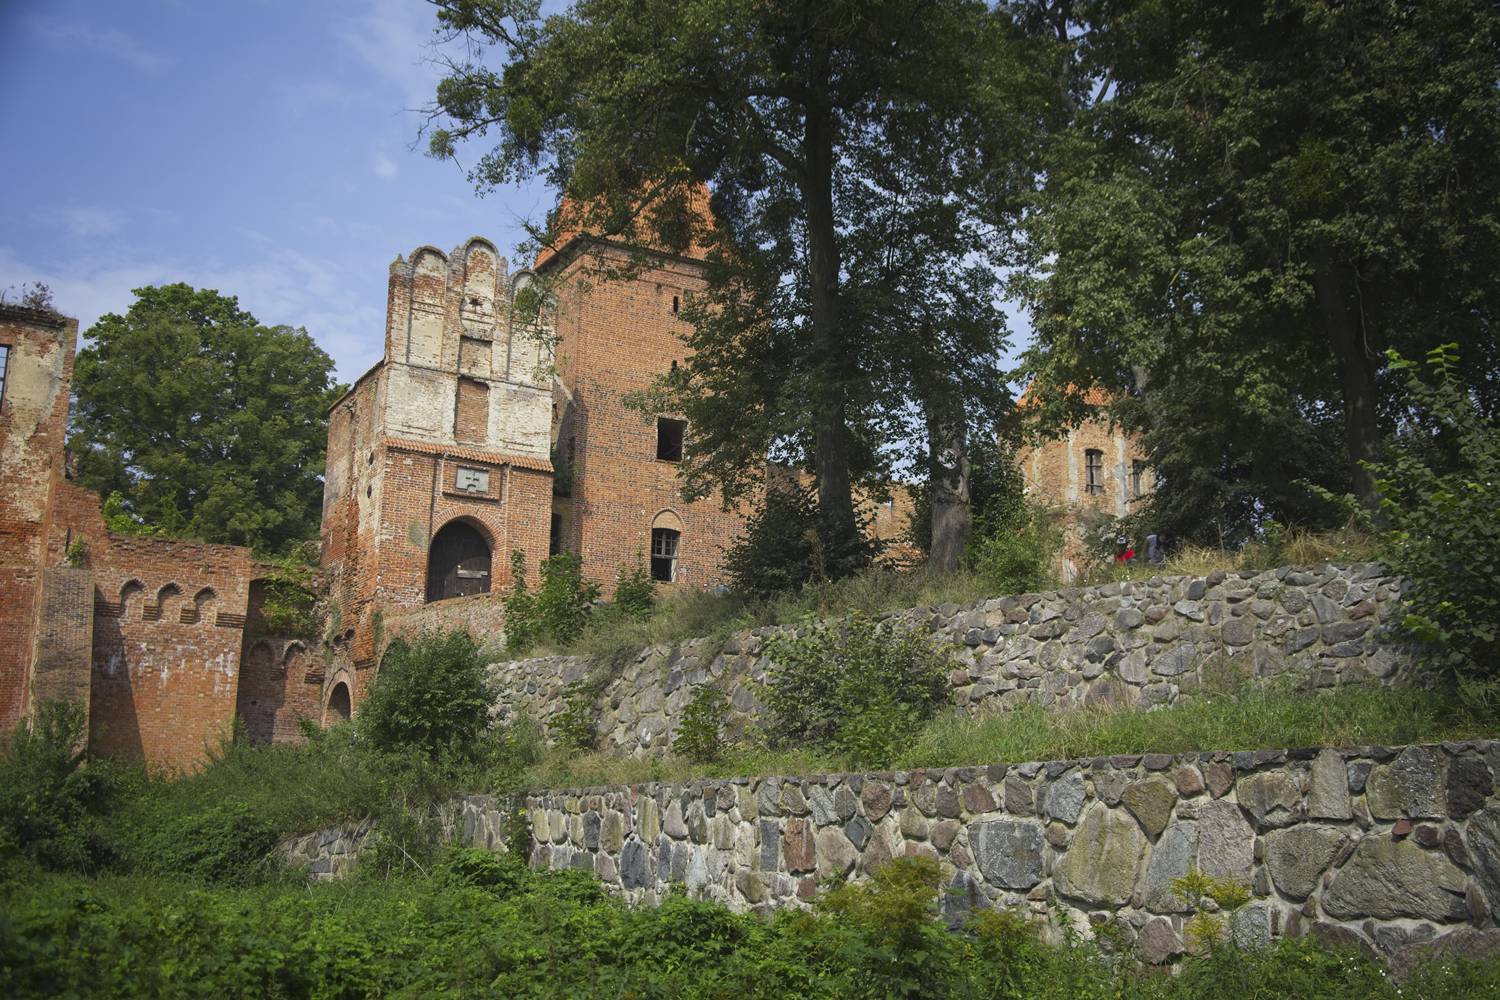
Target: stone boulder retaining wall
(1140, 643)
(1386, 848)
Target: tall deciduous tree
(208, 424)
(1258, 201)
(843, 140)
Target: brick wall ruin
(38, 347)
(145, 633)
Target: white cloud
(395, 39)
(385, 167)
(84, 222)
(109, 41)
(344, 314)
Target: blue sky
(264, 148)
(260, 147)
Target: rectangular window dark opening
(4, 365)
(1137, 478)
(669, 434)
(664, 554)
(1093, 461)
(554, 543)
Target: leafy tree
(781, 548)
(860, 155)
(205, 422)
(1256, 201)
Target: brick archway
(458, 562)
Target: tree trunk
(831, 439)
(948, 488)
(1338, 306)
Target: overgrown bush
(431, 694)
(50, 796)
(482, 926)
(781, 550)
(635, 591)
(1440, 496)
(291, 594)
(853, 685)
(557, 610)
(576, 727)
(1015, 553)
(226, 842)
(699, 735)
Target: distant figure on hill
(1156, 548)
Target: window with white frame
(664, 546)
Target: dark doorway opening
(458, 563)
(338, 703)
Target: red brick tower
(620, 466)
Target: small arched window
(666, 546)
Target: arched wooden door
(458, 563)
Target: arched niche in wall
(130, 592)
(205, 606)
(458, 562)
(167, 602)
(340, 707)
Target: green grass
(1253, 718)
(714, 617)
(610, 636)
(478, 926)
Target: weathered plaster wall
(1145, 643)
(1381, 847)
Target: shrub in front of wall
(635, 592)
(557, 610)
(1015, 555)
(853, 686)
(431, 694)
(1440, 495)
(50, 796)
(563, 600)
(576, 727)
(781, 550)
(699, 734)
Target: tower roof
(572, 224)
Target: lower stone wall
(1140, 643)
(1384, 848)
(326, 854)
(1379, 846)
